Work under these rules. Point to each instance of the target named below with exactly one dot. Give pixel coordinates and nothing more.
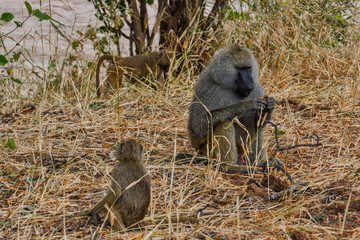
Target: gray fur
(215, 101)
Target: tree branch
(276, 162)
(138, 35)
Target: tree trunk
(137, 34)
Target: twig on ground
(276, 162)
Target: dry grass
(60, 166)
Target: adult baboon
(134, 68)
(229, 108)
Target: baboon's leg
(243, 144)
(114, 79)
(117, 223)
(250, 148)
(249, 141)
(221, 144)
(259, 152)
(225, 143)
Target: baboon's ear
(161, 53)
(141, 149)
(118, 149)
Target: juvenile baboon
(229, 108)
(130, 189)
(134, 68)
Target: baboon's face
(244, 83)
(165, 60)
(243, 61)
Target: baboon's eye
(246, 68)
(121, 146)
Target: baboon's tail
(108, 57)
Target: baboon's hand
(260, 104)
(95, 218)
(270, 103)
(86, 213)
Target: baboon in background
(127, 203)
(135, 68)
(229, 89)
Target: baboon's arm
(111, 197)
(232, 111)
(201, 119)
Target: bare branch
(218, 5)
(276, 162)
(137, 35)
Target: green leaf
(51, 66)
(150, 1)
(3, 60)
(41, 15)
(16, 80)
(357, 173)
(122, 6)
(11, 144)
(28, 7)
(279, 132)
(75, 44)
(95, 105)
(103, 29)
(58, 30)
(18, 24)
(7, 17)
(16, 56)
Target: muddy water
(40, 39)
(39, 42)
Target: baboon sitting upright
(130, 189)
(228, 92)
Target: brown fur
(128, 206)
(135, 68)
